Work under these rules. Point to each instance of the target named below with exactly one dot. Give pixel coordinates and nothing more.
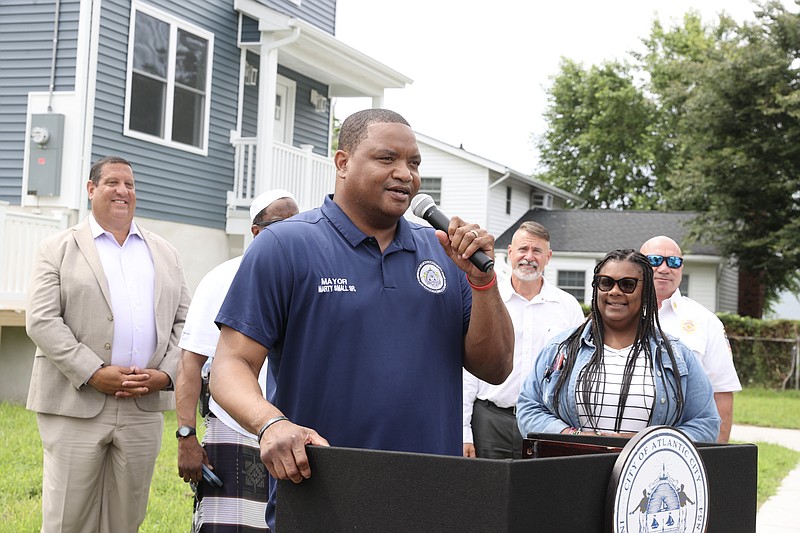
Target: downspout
(268, 66)
(53, 58)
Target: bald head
(665, 279)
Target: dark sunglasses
(265, 223)
(673, 261)
(606, 283)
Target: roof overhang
(502, 170)
(322, 57)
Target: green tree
(598, 143)
(713, 128)
(731, 96)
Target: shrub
(763, 350)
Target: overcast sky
(481, 69)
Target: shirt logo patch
(689, 326)
(431, 277)
(335, 285)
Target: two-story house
(211, 101)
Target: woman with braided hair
(618, 373)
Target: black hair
(354, 127)
(648, 328)
(96, 172)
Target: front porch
(305, 174)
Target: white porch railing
(20, 234)
(307, 175)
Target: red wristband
(484, 287)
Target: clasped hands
(128, 382)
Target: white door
(284, 109)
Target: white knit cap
(265, 198)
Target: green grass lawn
(170, 506)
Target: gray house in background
(581, 237)
(212, 102)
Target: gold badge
(688, 326)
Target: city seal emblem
(659, 483)
(431, 276)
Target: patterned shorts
(240, 504)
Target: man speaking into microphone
(367, 318)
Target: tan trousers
(97, 471)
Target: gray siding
(171, 184)
(250, 104)
(320, 13)
(26, 43)
(249, 30)
(310, 127)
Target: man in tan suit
(106, 307)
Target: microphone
(425, 208)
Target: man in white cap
(228, 449)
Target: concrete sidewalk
(779, 513)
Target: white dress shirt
(535, 322)
(130, 274)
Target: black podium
(377, 491)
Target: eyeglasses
(673, 261)
(606, 283)
(265, 223)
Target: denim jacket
(700, 420)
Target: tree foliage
(599, 144)
(714, 128)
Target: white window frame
(569, 288)
(175, 24)
(432, 192)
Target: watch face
(184, 431)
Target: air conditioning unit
(541, 200)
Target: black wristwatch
(185, 431)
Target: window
(573, 282)
(508, 200)
(169, 80)
(684, 286)
(432, 187)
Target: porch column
(267, 91)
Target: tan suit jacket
(69, 318)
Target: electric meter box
(44, 159)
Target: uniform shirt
(701, 330)
(365, 347)
(535, 322)
(200, 333)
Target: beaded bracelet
(484, 287)
(574, 431)
(268, 424)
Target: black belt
(510, 410)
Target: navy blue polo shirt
(364, 347)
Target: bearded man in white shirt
(539, 311)
(694, 325)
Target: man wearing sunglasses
(695, 326)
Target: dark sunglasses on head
(265, 223)
(673, 261)
(606, 283)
